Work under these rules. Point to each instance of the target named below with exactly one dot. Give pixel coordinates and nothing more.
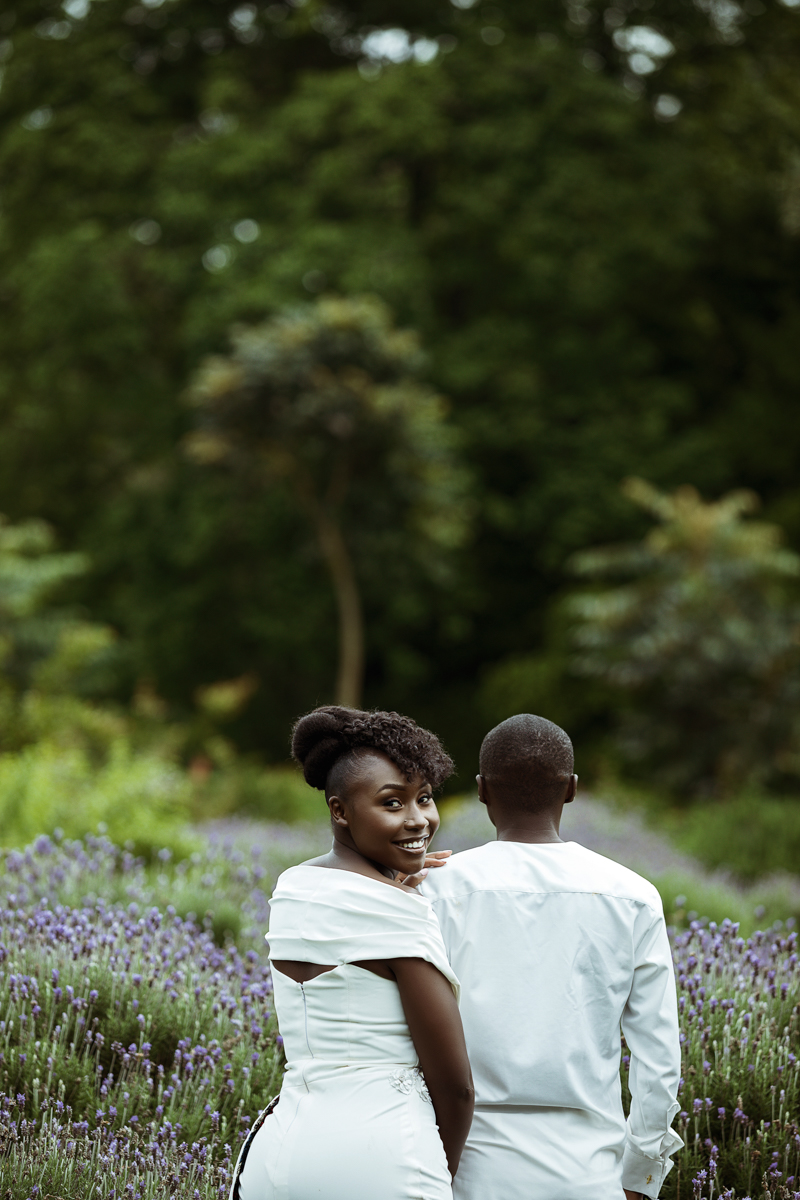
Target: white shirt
(557, 948)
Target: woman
(377, 1098)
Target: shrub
(752, 835)
(134, 1050)
(740, 1091)
(269, 794)
(48, 656)
(768, 903)
(141, 799)
(699, 636)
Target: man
(557, 949)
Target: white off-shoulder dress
(354, 1120)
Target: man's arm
(650, 1026)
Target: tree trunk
(350, 676)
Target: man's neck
(519, 827)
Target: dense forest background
(591, 218)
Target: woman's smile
(414, 844)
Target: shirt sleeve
(650, 1026)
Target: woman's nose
(416, 820)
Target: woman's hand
(437, 858)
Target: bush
(139, 799)
(265, 793)
(766, 904)
(740, 1091)
(752, 835)
(699, 638)
(136, 1051)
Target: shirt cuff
(645, 1175)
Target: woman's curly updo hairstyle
(323, 737)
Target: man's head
(526, 765)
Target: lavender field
(138, 1039)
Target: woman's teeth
(419, 844)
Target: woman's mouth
(414, 845)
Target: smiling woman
(378, 771)
(377, 1098)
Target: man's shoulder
(464, 868)
(614, 879)
(520, 866)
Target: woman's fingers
(437, 858)
(411, 880)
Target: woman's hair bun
(322, 737)
(318, 740)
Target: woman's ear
(337, 811)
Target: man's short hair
(527, 761)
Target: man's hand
(438, 858)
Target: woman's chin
(410, 864)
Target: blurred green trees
(325, 397)
(50, 659)
(590, 214)
(701, 630)
(67, 759)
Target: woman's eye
(425, 799)
(391, 804)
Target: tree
(606, 283)
(326, 398)
(51, 660)
(67, 759)
(703, 636)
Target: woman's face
(391, 820)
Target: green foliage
(170, 170)
(139, 798)
(72, 762)
(689, 895)
(740, 1088)
(547, 685)
(153, 1039)
(325, 398)
(752, 835)
(44, 649)
(68, 761)
(267, 794)
(702, 636)
(159, 1045)
(326, 394)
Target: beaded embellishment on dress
(408, 1079)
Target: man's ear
(572, 788)
(481, 782)
(337, 812)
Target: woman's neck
(345, 857)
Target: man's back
(556, 948)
